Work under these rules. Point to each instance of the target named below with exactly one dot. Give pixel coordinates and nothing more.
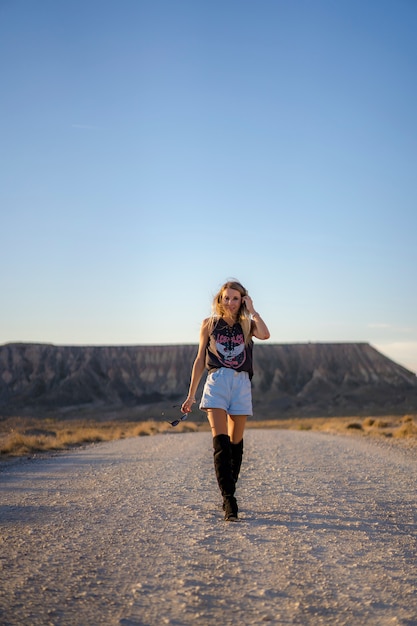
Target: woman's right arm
(198, 368)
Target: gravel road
(131, 533)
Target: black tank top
(226, 348)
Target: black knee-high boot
(224, 475)
(237, 453)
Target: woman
(225, 350)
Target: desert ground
(131, 533)
(20, 436)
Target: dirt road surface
(131, 533)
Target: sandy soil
(130, 533)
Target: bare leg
(236, 427)
(218, 421)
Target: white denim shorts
(229, 390)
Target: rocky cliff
(139, 381)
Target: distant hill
(136, 382)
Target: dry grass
(398, 427)
(24, 436)
(19, 436)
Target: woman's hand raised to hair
(247, 300)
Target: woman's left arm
(259, 328)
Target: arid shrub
(354, 426)
(368, 421)
(16, 444)
(407, 429)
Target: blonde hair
(243, 316)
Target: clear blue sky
(152, 149)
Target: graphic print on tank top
(230, 345)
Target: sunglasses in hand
(176, 422)
(180, 419)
